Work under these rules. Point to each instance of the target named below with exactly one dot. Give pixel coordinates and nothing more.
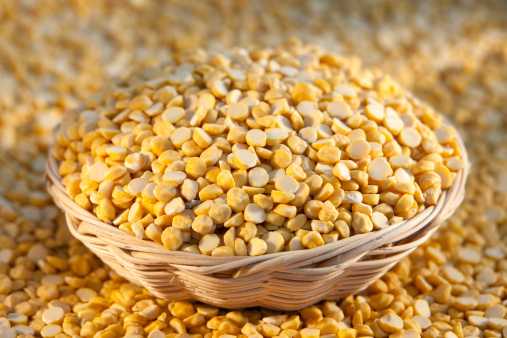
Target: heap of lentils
(256, 152)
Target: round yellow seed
(287, 184)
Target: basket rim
(355, 245)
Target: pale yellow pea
(256, 138)
(274, 241)
(308, 134)
(341, 171)
(258, 177)
(255, 214)
(173, 114)
(374, 112)
(358, 149)
(137, 185)
(275, 136)
(238, 111)
(202, 138)
(203, 224)
(379, 168)
(98, 171)
(286, 184)
(175, 206)
(196, 167)
(379, 220)
(410, 137)
(208, 243)
(394, 124)
(172, 238)
(244, 159)
(174, 178)
(339, 109)
(117, 153)
(179, 136)
(256, 247)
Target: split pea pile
(256, 152)
(454, 57)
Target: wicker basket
(284, 281)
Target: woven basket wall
(285, 280)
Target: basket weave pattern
(284, 281)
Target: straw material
(283, 281)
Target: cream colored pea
(353, 197)
(286, 184)
(238, 111)
(117, 153)
(374, 112)
(258, 177)
(394, 124)
(172, 238)
(210, 192)
(180, 136)
(445, 176)
(134, 162)
(154, 232)
(339, 109)
(220, 213)
(256, 138)
(379, 220)
(17, 318)
(50, 331)
(137, 185)
(274, 241)
(379, 168)
(98, 171)
(255, 214)
(422, 308)
(164, 192)
(208, 243)
(53, 316)
(237, 199)
(174, 178)
(469, 256)
(361, 223)
(275, 136)
(404, 204)
(308, 134)
(310, 332)
(244, 159)
(322, 227)
(444, 134)
(341, 171)
(196, 167)
(400, 161)
(256, 247)
(358, 149)
(455, 163)
(175, 206)
(173, 114)
(8, 332)
(202, 138)
(203, 224)
(410, 137)
(189, 189)
(312, 240)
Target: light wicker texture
(284, 281)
